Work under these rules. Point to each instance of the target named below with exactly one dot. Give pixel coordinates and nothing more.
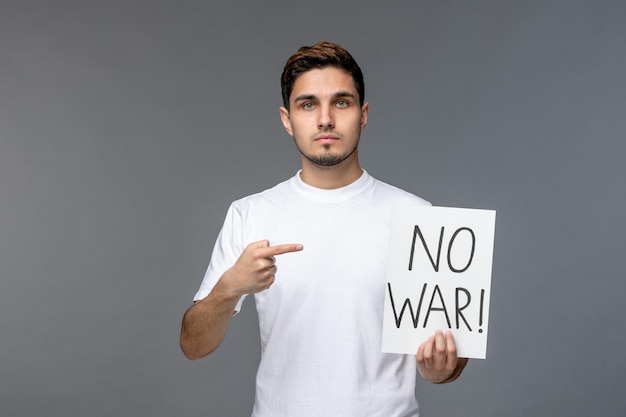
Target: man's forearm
(205, 323)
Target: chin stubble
(328, 159)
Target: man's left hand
(437, 360)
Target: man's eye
(342, 103)
(307, 106)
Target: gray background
(127, 127)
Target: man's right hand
(255, 270)
(205, 323)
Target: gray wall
(127, 127)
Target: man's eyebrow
(338, 94)
(305, 97)
(344, 94)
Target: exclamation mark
(482, 304)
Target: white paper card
(438, 277)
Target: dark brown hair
(321, 55)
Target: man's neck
(329, 178)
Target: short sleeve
(226, 251)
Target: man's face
(325, 118)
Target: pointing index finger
(285, 248)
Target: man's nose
(325, 118)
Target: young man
(313, 252)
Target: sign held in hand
(438, 277)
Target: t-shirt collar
(336, 195)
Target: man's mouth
(326, 139)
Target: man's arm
(437, 361)
(205, 323)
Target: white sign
(439, 277)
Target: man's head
(318, 56)
(325, 112)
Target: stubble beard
(327, 159)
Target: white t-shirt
(321, 320)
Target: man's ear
(364, 112)
(284, 117)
